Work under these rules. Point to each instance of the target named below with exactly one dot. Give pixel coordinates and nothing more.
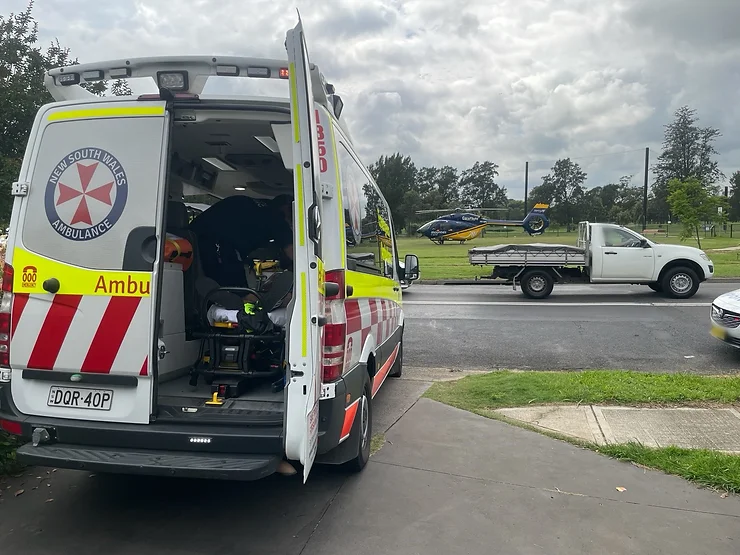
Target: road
(483, 327)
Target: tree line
(686, 186)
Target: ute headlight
(704, 256)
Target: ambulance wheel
(536, 284)
(363, 426)
(397, 369)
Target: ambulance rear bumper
(151, 463)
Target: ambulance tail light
(335, 330)
(5, 304)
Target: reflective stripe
(88, 113)
(373, 286)
(299, 181)
(33, 270)
(322, 276)
(294, 102)
(304, 316)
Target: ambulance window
(361, 202)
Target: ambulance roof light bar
(181, 74)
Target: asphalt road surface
(483, 327)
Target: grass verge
(707, 468)
(484, 393)
(516, 389)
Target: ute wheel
(657, 287)
(680, 282)
(397, 369)
(536, 284)
(364, 427)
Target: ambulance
(110, 360)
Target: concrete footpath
(694, 428)
(448, 481)
(445, 482)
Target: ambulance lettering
(29, 277)
(124, 288)
(323, 165)
(86, 194)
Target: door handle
(610, 252)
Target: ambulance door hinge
(20, 188)
(326, 191)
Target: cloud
(452, 83)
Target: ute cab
(137, 336)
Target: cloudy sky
(451, 82)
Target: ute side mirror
(411, 267)
(644, 244)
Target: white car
(725, 318)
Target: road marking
(539, 304)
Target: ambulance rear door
(84, 257)
(307, 320)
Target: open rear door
(305, 340)
(84, 253)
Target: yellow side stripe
(304, 316)
(89, 113)
(299, 181)
(294, 103)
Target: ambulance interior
(209, 363)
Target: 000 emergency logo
(86, 194)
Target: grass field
(450, 261)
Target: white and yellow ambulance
(108, 358)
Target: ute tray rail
(533, 254)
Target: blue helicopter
(463, 225)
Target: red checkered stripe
(367, 317)
(81, 333)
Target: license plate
(80, 398)
(719, 333)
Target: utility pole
(645, 191)
(526, 187)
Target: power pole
(526, 187)
(645, 191)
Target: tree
(688, 152)
(121, 87)
(395, 176)
(694, 204)
(22, 92)
(478, 186)
(565, 183)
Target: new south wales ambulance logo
(86, 194)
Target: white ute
(606, 254)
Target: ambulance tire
(397, 369)
(363, 427)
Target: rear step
(157, 463)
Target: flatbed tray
(530, 254)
